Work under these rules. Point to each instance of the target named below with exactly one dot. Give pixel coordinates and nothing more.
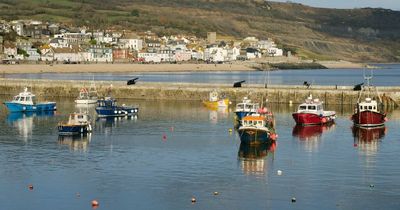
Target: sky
(388, 4)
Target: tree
(92, 42)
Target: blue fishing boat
(78, 123)
(26, 102)
(245, 108)
(108, 107)
(257, 129)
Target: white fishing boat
(87, 96)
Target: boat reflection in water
(367, 139)
(77, 142)
(311, 132)
(310, 135)
(216, 113)
(253, 158)
(24, 122)
(107, 124)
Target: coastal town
(31, 41)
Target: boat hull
(215, 104)
(312, 119)
(70, 130)
(254, 136)
(16, 107)
(86, 101)
(116, 111)
(368, 119)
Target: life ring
(84, 90)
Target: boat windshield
(302, 107)
(240, 106)
(311, 107)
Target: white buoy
(279, 172)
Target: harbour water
(386, 75)
(174, 151)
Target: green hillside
(358, 34)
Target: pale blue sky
(389, 4)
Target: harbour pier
(332, 95)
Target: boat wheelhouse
(312, 113)
(245, 108)
(108, 107)
(78, 123)
(26, 102)
(87, 96)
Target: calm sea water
(127, 164)
(387, 75)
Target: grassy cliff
(371, 35)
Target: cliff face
(358, 34)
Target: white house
(150, 57)
(98, 53)
(273, 51)
(33, 54)
(215, 54)
(131, 44)
(59, 43)
(67, 54)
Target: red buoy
(95, 203)
(30, 187)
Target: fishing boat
(257, 129)
(368, 111)
(215, 101)
(26, 102)
(108, 107)
(78, 123)
(245, 108)
(87, 96)
(312, 113)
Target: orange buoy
(30, 187)
(95, 203)
(164, 137)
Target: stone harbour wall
(335, 95)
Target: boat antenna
(368, 79)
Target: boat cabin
(253, 121)
(78, 118)
(108, 102)
(368, 105)
(25, 97)
(247, 106)
(310, 107)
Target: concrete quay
(334, 95)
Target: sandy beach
(118, 67)
(92, 68)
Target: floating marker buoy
(172, 129)
(371, 185)
(164, 137)
(293, 200)
(279, 172)
(95, 203)
(216, 193)
(78, 195)
(193, 200)
(230, 130)
(30, 187)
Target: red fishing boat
(368, 112)
(312, 113)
